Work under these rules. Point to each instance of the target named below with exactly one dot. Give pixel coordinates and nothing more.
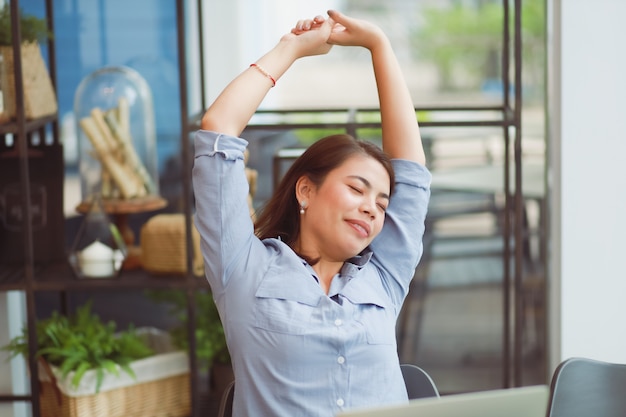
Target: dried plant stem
(122, 176)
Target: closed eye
(355, 189)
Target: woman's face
(346, 212)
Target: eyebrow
(369, 185)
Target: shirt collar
(354, 264)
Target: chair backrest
(418, 383)
(584, 387)
(226, 402)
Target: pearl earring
(302, 207)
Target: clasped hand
(317, 36)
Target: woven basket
(168, 397)
(39, 97)
(164, 246)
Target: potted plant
(211, 349)
(85, 363)
(39, 95)
(83, 342)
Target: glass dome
(116, 135)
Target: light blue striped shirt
(297, 351)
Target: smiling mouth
(362, 229)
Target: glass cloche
(116, 135)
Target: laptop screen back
(513, 402)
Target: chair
(584, 387)
(226, 402)
(418, 385)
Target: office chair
(584, 387)
(418, 385)
(226, 402)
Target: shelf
(11, 277)
(38, 167)
(59, 277)
(31, 125)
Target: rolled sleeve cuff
(209, 143)
(411, 173)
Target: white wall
(587, 127)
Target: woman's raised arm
(233, 108)
(401, 136)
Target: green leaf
(99, 379)
(80, 371)
(71, 364)
(110, 366)
(126, 367)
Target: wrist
(289, 48)
(379, 42)
(264, 73)
(277, 60)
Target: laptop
(513, 402)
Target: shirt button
(341, 360)
(338, 322)
(340, 402)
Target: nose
(368, 206)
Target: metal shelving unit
(31, 275)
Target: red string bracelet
(267, 74)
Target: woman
(309, 303)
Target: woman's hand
(310, 36)
(348, 31)
(308, 24)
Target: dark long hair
(280, 217)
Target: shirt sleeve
(398, 248)
(222, 215)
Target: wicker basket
(164, 247)
(161, 387)
(167, 397)
(39, 97)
